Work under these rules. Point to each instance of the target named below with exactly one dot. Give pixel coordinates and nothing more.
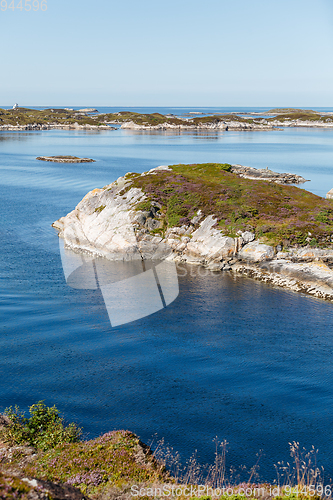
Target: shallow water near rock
(230, 357)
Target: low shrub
(44, 429)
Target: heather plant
(278, 214)
(107, 467)
(44, 429)
(116, 459)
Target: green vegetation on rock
(155, 119)
(108, 461)
(109, 466)
(24, 116)
(100, 209)
(278, 214)
(44, 429)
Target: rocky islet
(113, 222)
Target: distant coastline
(90, 119)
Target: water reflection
(131, 289)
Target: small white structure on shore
(329, 195)
(15, 106)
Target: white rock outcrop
(256, 252)
(329, 195)
(107, 223)
(207, 244)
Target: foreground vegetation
(277, 214)
(118, 464)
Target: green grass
(278, 214)
(144, 205)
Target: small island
(65, 159)
(211, 215)
(19, 118)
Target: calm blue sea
(231, 357)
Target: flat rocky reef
(210, 215)
(65, 159)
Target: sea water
(230, 357)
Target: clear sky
(168, 53)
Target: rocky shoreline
(267, 175)
(52, 126)
(109, 223)
(227, 125)
(218, 125)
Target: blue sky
(171, 53)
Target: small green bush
(324, 216)
(44, 430)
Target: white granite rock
(102, 223)
(247, 237)
(329, 195)
(256, 252)
(208, 244)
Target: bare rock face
(102, 223)
(247, 237)
(256, 252)
(208, 245)
(329, 195)
(265, 174)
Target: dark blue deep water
(231, 357)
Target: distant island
(213, 215)
(65, 159)
(274, 119)
(47, 119)
(89, 118)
